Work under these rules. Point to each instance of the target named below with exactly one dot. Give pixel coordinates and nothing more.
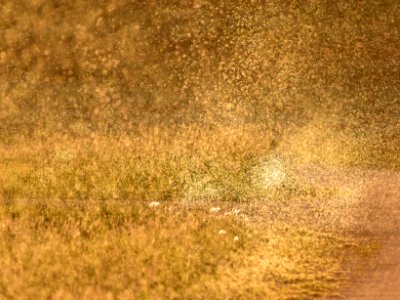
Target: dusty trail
(367, 206)
(381, 279)
(378, 218)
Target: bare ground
(367, 207)
(377, 218)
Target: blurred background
(94, 86)
(115, 65)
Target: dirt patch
(365, 206)
(378, 219)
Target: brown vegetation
(108, 105)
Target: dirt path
(367, 205)
(378, 218)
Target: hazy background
(110, 66)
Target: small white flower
(154, 204)
(215, 210)
(236, 211)
(221, 232)
(236, 239)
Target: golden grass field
(77, 220)
(154, 149)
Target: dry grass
(76, 221)
(126, 250)
(107, 106)
(330, 140)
